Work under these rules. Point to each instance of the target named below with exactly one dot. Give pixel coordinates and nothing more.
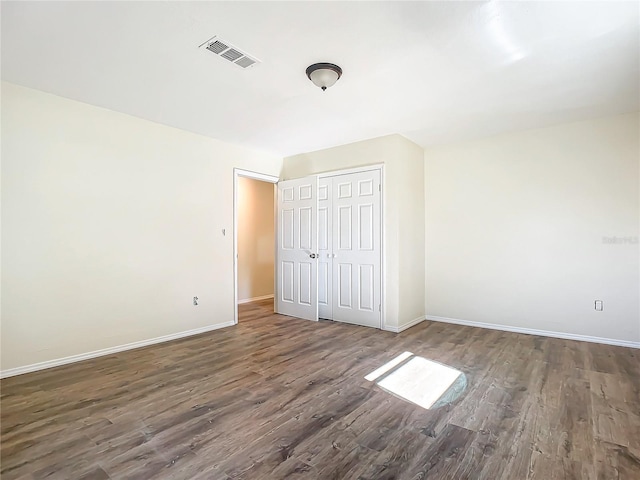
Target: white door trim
(347, 171)
(238, 172)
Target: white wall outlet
(195, 300)
(599, 305)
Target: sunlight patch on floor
(420, 381)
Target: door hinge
(379, 188)
(379, 307)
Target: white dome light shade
(324, 75)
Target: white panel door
(325, 248)
(296, 263)
(356, 248)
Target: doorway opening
(254, 240)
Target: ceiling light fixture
(324, 75)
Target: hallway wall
(256, 238)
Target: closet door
(297, 264)
(356, 248)
(325, 248)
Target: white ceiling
(434, 72)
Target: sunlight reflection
(418, 380)
(497, 30)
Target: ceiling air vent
(217, 47)
(230, 53)
(245, 62)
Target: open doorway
(254, 240)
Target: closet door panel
(344, 287)
(357, 248)
(366, 283)
(345, 221)
(296, 264)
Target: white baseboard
(108, 351)
(402, 328)
(532, 331)
(255, 299)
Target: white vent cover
(227, 51)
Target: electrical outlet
(599, 305)
(195, 300)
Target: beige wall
(110, 226)
(403, 215)
(368, 152)
(256, 238)
(517, 228)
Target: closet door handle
(313, 255)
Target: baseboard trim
(404, 327)
(12, 372)
(532, 331)
(255, 299)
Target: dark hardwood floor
(276, 397)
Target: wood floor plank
(442, 458)
(277, 398)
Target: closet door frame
(368, 168)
